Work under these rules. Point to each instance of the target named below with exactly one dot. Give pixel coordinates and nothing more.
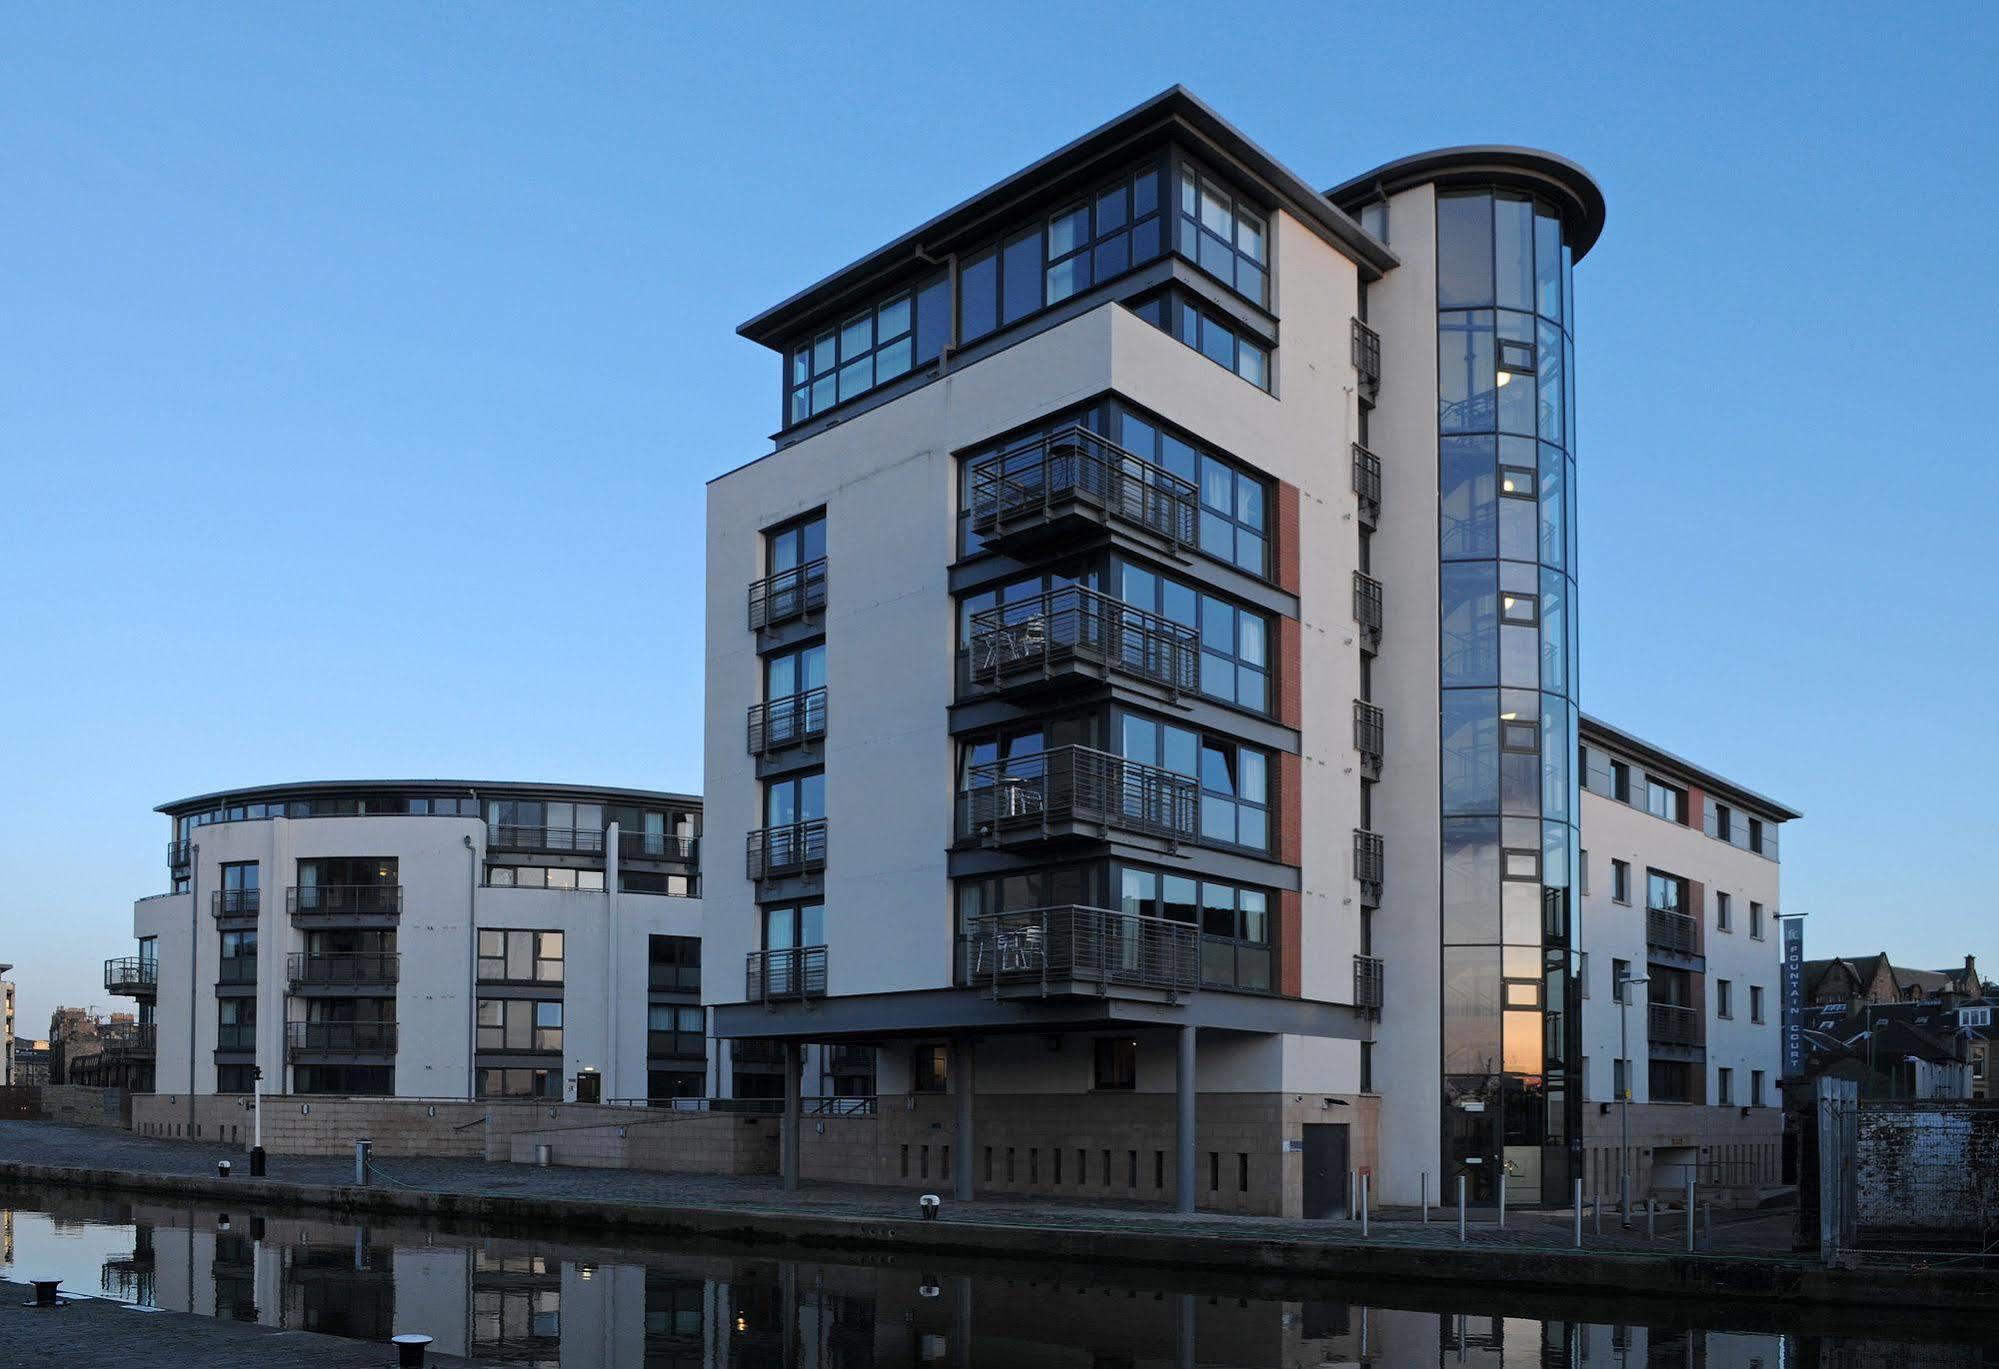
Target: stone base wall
(1731, 1156)
(648, 1138)
(314, 1124)
(88, 1106)
(1116, 1146)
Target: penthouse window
(1228, 238)
(1227, 344)
(1666, 801)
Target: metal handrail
(128, 1038)
(658, 846)
(1055, 946)
(123, 973)
(508, 836)
(788, 594)
(363, 967)
(787, 721)
(789, 849)
(1370, 858)
(1063, 626)
(1367, 482)
(236, 902)
(1370, 731)
(237, 969)
(1078, 784)
(1367, 604)
(1072, 464)
(1672, 1024)
(673, 978)
(1367, 982)
(1367, 357)
(177, 853)
(686, 1045)
(793, 972)
(356, 1037)
(344, 898)
(1672, 930)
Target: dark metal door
(1325, 1169)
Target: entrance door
(589, 1087)
(1325, 1169)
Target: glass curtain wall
(1507, 619)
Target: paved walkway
(90, 1333)
(1766, 1234)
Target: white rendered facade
(269, 959)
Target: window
(1226, 237)
(1620, 1074)
(519, 1083)
(1117, 1063)
(1221, 342)
(1724, 822)
(1235, 503)
(1756, 1088)
(1666, 801)
(1724, 998)
(794, 925)
(1974, 1017)
(652, 882)
(239, 888)
(799, 799)
(869, 348)
(1235, 642)
(1756, 835)
(1234, 779)
(520, 957)
(1620, 970)
(795, 544)
(235, 1078)
(1755, 1002)
(1667, 893)
(1109, 231)
(1620, 781)
(1724, 1086)
(1582, 972)
(673, 963)
(675, 1030)
(519, 1024)
(540, 877)
(1582, 867)
(1620, 881)
(930, 1069)
(1723, 912)
(1756, 920)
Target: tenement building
(426, 938)
(1143, 677)
(1680, 971)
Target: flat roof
(1529, 168)
(1640, 749)
(303, 788)
(1173, 108)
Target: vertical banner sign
(1794, 997)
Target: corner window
(1221, 342)
(1224, 235)
(870, 347)
(1235, 642)
(1234, 502)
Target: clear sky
(361, 365)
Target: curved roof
(1544, 173)
(260, 793)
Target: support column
(961, 1143)
(788, 1157)
(1183, 1136)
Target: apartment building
(1681, 970)
(1123, 745)
(426, 938)
(6, 1026)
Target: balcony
(1367, 609)
(1370, 863)
(1367, 360)
(1073, 634)
(1074, 791)
(798, 972)
(1367, 484)
(344, 905)
(133, 976)
(237, 1037)
(663, 978)
(1071, 481)
(1671, 930)
(1079, 952)
(756, 1050)
(340, 1038)
(177, 854)
(237, 969)
(1370, 729)
(669, 846)
(582, 841)
(230, 905)
(1367, 982)
(685, 1045)
(797, 848)
(128, 1040)
(365, 970)
(790, 721)
(1668, 1024)
(789, 595)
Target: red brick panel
(1290, 943)
(1696, 814)
(1697, 905)
(1290, 673)
(1287, 537)
(1290, 821)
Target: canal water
(520, 1299)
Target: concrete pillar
(1183, 1133)
(961, 1145)
(789, 1145)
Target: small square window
(1523, 994)
(1516, 481)
(1519, 736)
(1523, 865)
(1519, 608)
(1516, 356)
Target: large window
(675, 1030)
(1235, 642)
(1235, 520)
(1227, 237)
(1229, 345)
(870, 347)
(1234, 778)
(795, 925)
(520, 1083)
(520, 956)
(1664, 800)
(540, 877)
(673, 963)
(520, 1024)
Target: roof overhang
(264, 793)
(1525, 168)
(1720, 786)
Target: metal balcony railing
(132, 975)
(1672, 1025)
(177, 852)
(756, 1050)
(658, 846)
(1367, 607)
(1370, 729)
(344, 898)
(788, 595)
(128, 1038)
(587, 841)
(1672, 930)
(1054, 947)
(1367, 483)
(237, 969)
(359, 968)
(236, 902)
(1077, 784)
(1073, 627)
(236, 1036)
(674, 978)
(795, 972)
(685, 1044)
(787, 721)
(1075, 468)
(1370, 863)
(346, 1038)
(1367, 982)
(795, 848)
(1367, 359)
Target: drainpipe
(471, 965)
(193, 975)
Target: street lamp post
(1624, 983)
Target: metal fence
(1053, 946)
(1072, 466)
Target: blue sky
(361, 367)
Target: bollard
(45, 1293)
(1424, 1182)
(928, 1205)
(221, 1169)
(1648, 1216)
(1596, 1215)
(543, 1153)
(1502, 1200)
(1353, 1193)
(256, 1162)
(1579, 1214)
(361, 1148)
(1363, 1204)
(1461, 1209)
(410, 1347)
(1707, 1225)
(1690, 1209)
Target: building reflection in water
(540, 1302)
